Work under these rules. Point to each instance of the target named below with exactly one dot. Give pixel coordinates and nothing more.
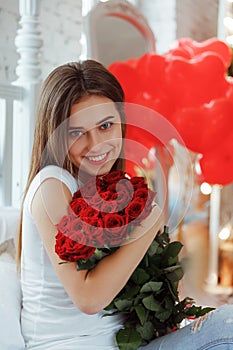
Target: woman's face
(94, 135)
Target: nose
(94, 141)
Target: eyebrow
(98, 123)
(106, 118)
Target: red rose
(90, 188)
(105, 202)
(79, 237)
(138, 181)
(137, 214)
(69, 250)
(88, 213)
(108, 207)
(113, 220)
(145, 212)
(95, 201)
(141, 193)
(112, 196)
(76, 224)
(124, 194)
(147, 197)
(77, 194)
(115, 229)
(134, 209)
(77, 205)
(114, 176)
(112, 188)
(72, 227)
(94, 231)
(106, 195)
(65, 224)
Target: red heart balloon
(128, 78)
(196, 81)
(217, 166)
(204, 127)
(194, 48)
(151, 69)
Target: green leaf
(139, 276)
(131, 291)
(128, 339)
(86, 264)
(153, 248)
(123, 304)
(169, 302)
(109, 306)
(172, 268)
(164, 314)
(141, 313)
(173, 288)
(146, 331)
(150, 303)
(176, 275)
(197, 310)
(172, 261)
(163, 238)
(172, 250)
(151, 287)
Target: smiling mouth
(97, 159)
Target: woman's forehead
(91, 110)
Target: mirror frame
(115, 8)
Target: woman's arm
(90, 290)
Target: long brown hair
(65, 86)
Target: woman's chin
(85, 174)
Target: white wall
(8, 26)
(161, 16)
(61, 27)
(197, 19)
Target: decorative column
(28, 43)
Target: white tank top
(49, 318)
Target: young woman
(80, 133)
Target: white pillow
(10, 305)
(9, 220)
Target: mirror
(115, 31)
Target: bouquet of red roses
(101, 216)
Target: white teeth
(97, 159)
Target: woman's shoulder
(51, 172)
(56, 172)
